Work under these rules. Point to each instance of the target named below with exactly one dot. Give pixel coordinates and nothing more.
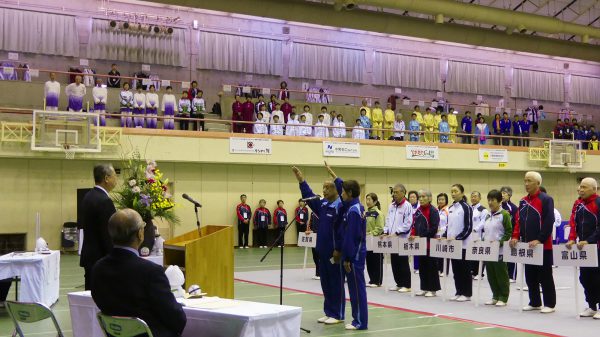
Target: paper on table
(209, 303)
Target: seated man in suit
(123, 284)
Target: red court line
(424, 313)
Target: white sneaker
(530, 308)
(454, 298)
(491, 302)
(331, 320)
(316, 277)
(393, 288)
(476, 277)
(404, 290)
(597, 315)
(417, 271)
(512, 281)
(351, 327)
(420, 293)
(463, 299)
(430, 294)
(588, 313)
(322, 319)
(500, 304)
(246, 247)
(547, 310)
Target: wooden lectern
(206, 258)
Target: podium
(206, 258)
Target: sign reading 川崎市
(493, 155)
(444, 248)
(341, 149)
(523, 254)
(307, 240)
(420, 152)
(250, 145)
(483, 251)
(586, 257)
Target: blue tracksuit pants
(358, 293)
(332, 283)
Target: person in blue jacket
(467, 127)
(354, 253)
(525, 125)
(517, 131)
(329, 245)
(505, 126)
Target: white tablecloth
(158, 259)
(245, 319)
(40, 274)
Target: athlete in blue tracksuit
(354, 253)
(329, 245)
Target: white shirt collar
(103, 190)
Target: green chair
(123, 326)
(30, 313)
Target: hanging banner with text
(385, 244)
(420, 152)
(307, 240)
(483, 251)
(250, 145)
(417, 246)
(341, 149)
(586, 257)
(444, 248)
(523, 254)
(493, 155)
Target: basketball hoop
(69, 151)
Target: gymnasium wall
(204, 169)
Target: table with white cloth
(215, 318)
(158, 259)
(39, 273)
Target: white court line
(362, 332)
(485, 328)
(436, 315)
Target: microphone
(188, 198)
(311, 198)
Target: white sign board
(13, 56)
(440, 94)
(385, 244)
(586, 257)
(405, 102)
(246, 90)
(534, 102)
(319, 82)
(250, 145)
(444, 248)
(421, 103)
(266, 91)
(523, 254)
(418, 246)
(307, 240)
(493, 155)
(479, 98)
(165, 83)
(145, 67)
(9, 71)
(34, 72)
(483, 251)
(146, 81)
(341, 149)
(185, 85)
(226, 87)
(397, 90)
(369, 241)
(84, 62)
(420, 152)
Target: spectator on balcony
(365, 121)
(593, 144)
(259, 104)
(559, 129)
(126, 103)
(287, 108)
(399, 128)
(326, 116)
(482, 131)
(236, 114)
(265, 113)
(283, 91)
(505, 126)
(304, 129)
(75, 93)
(568, 130)
(525, 125)
(152, 105)
(276, 127)
(590, 133)
(139, 108)
(340, 130)
(517, 131)
(389, 119)
(320, 129)
(444, 128)
(358, 132)
(247, 114)
(277, 112)
(428, 122)
(260, 126)
(377, 120)
(292, 125)
(366, 107)
(414, 127)
(100, 95)
(533, 117)
(497, 129)
(185, 108)
(272, 104)
(193, 91)
(114, 78)
(308, 114)
(437, 118)
(417, 111)
(333, 118)
(198, 108)
(169, 106)
(52, 93)
(453, 123)
(467, 127)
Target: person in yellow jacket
(453, 123)
(437, 118)
(388, 121)
(419, 116)
(428, 123)
(366, 107)
(377, 119)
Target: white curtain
(39, 33)
(475, 78)
(327, 63)
(538, 85)
(407, 71)
(585, 90)
(121, 45)
(240, 54)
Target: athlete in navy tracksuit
(425, 225)
(534, 224)
(587, 230)
(354, 254)
(329, 244)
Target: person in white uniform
(75, 93)
(52, 93)
(100, 95)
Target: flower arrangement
(145, 190)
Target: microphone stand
(197, 217)
(275, 243)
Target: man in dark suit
(123, 284)
(97, 207)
